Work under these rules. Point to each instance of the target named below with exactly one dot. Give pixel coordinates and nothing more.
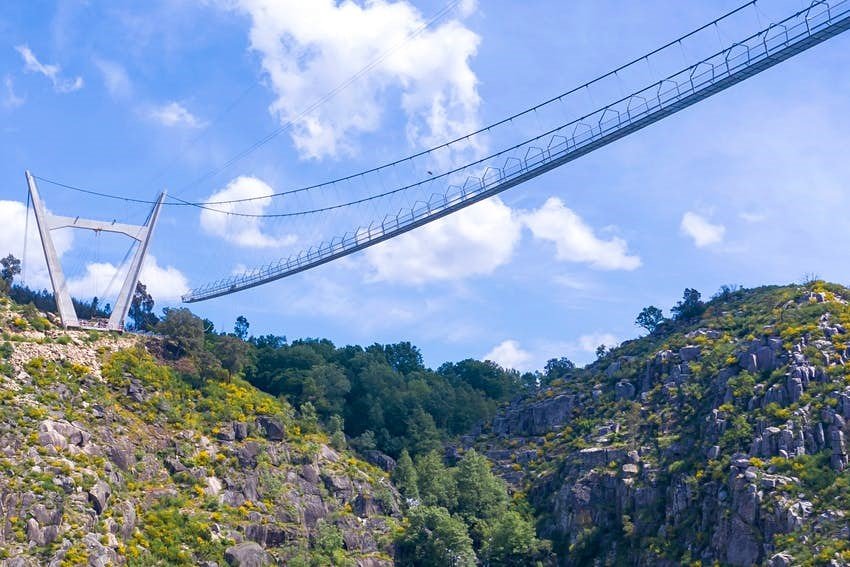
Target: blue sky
(748, 187)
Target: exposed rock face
(709, 459)
(535, 419)
(106, 454)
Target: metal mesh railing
(555, 147)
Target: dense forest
(381, 396)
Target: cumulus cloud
(175, 114)
(13, 215)
(575, 241)
(242, 231)
(115, 78)
(701, 230)
(310, 49)
(33, 65)
(103, 278)
(11, 100)
(480, 239)
(474, 241)
(509, 354)
(589, 343)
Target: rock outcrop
(707, 451)
(108, 455)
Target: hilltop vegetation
(718, 438)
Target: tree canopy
(650, 318)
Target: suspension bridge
(445, 179)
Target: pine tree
(405, 477)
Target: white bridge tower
(48, 222)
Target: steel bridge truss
(740, 61)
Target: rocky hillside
(106, 457)
(714, 440)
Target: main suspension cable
(206, 205)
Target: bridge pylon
(48, 222)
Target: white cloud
(165, 284)
(589, 343)
(701, 230)
(474, 241)
(480, 239)
(12, 100)
(575, 241)
(310, 49)
(753, 218)
(33, 65)
(508, 354)
(175, 114)
(242, 231)
(115, 78)
(13, 220)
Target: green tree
(421, 435)
(690, 307)
(336, 429)
(329, 387)
(436, 484)
(435, 539)
(405, 477)
(601, 352)
(141, 309)
(240, 329)
(365, 441)
(480, 493)
(208, 366)
(487, 376)
(558, 368)
(309, 418)
(232, 352)
(513, 541)
(184, 331)
(650, 318)
(11, 267)
(268, 341)
(404, 357)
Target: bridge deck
(552, 149)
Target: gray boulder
(248, 554)
(99, 495)
(689, 353)
(271, 427)
(247, 454)
(781, 560)
(380, 460)
(240, 430)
